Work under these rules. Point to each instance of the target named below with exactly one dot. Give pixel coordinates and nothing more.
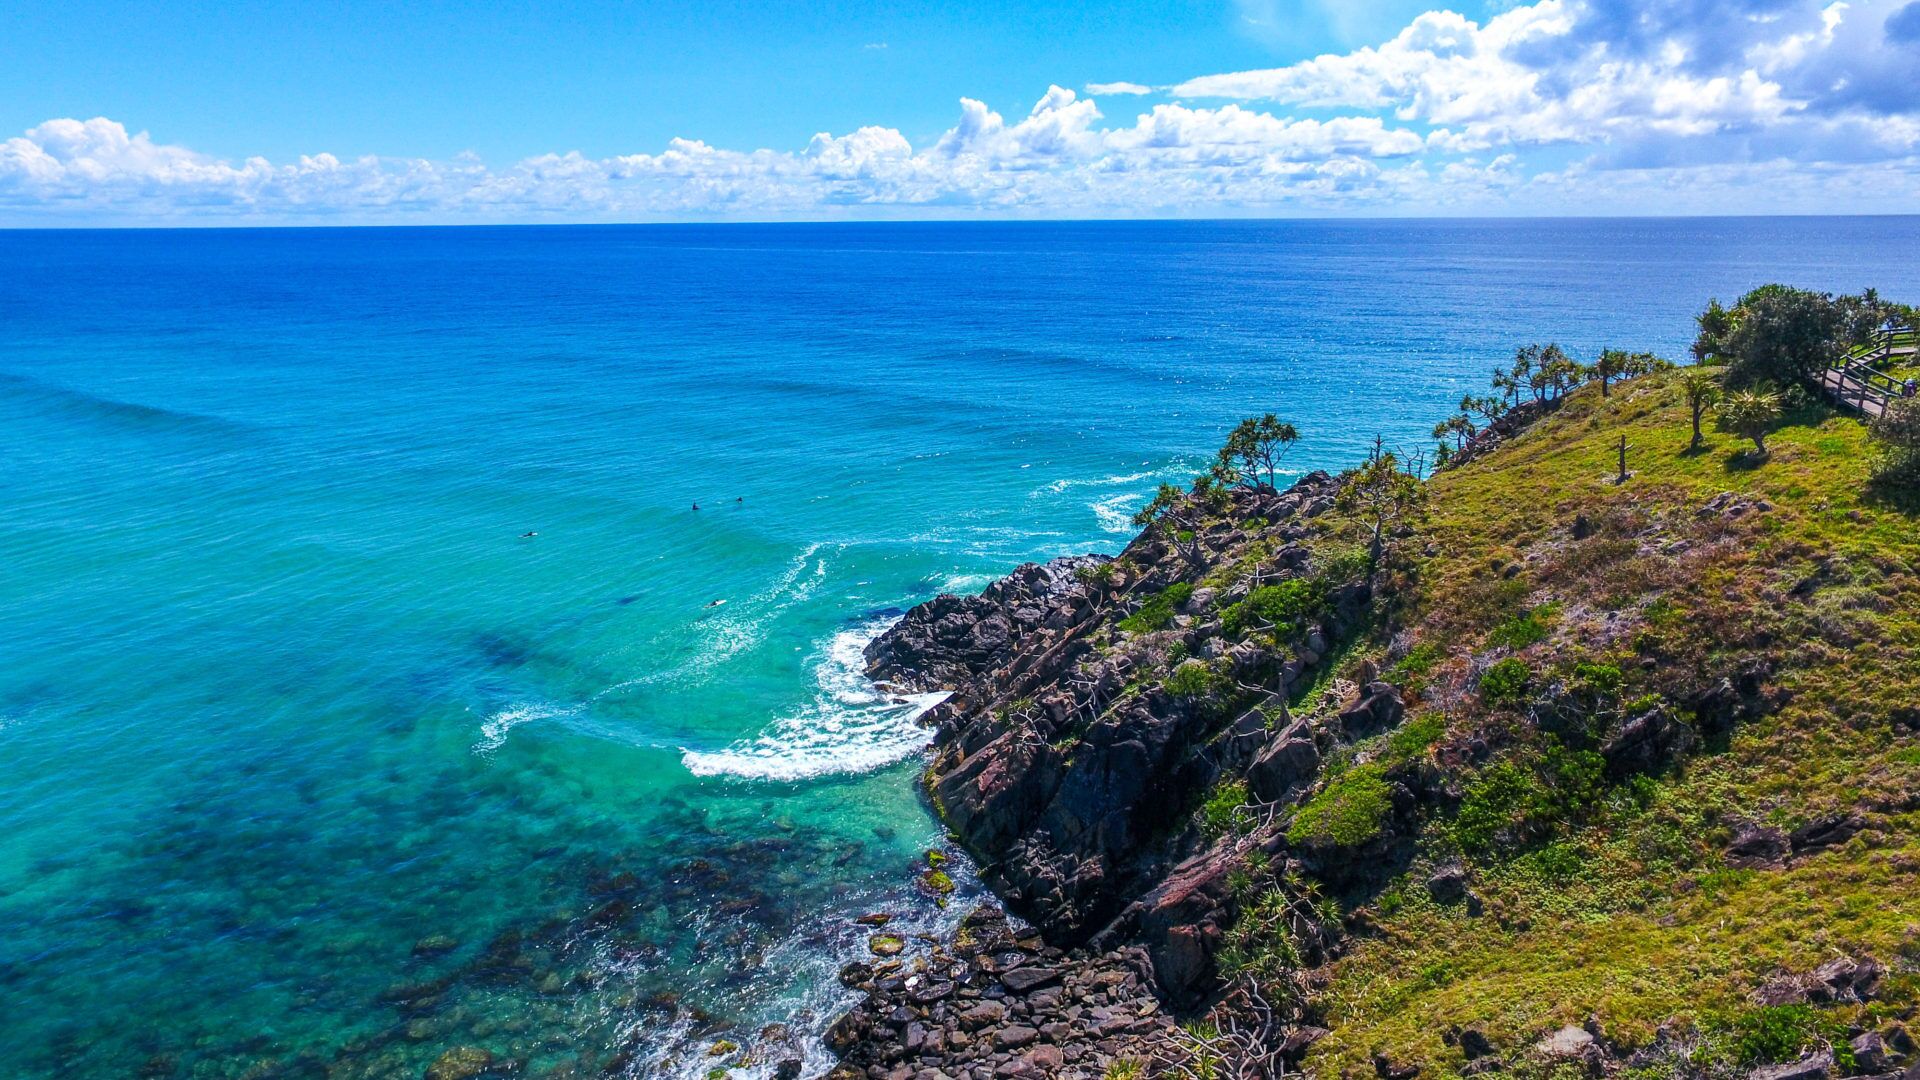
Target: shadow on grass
(1745, 460)
(1900, 495)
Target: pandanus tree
(1381, 496)
(1255, 447)
(1179, 516)
(1701, 387)
(1751, 414)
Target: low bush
(1526, 628)
(1216, 814)
(1505, 682)
(1158, 610)
(1348, 812)
(1285, 607)
(1526, 796)
(1192, 679)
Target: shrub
(1216, 815)
(1100, 574)
(1418, 662)
(1157, 612)
(1896, 441)
(1506, 682)
(1285, 607)
(1412, 739)
(1348, 812)
(1518, 799)
(1597, 683)
(1771, 1033)
(1344, 566)
(1526, 628)
(1192, 679)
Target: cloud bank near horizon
(1581, 106)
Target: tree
(1777, 333)
(1751, 414)
(1611, 365)
(1458, 427)
(1488, 409)
(1382, 496)
(1716, 324)
(1546, 371)
(1258, 445)
(1702, 389)
(1618, 364)
(1179, 515)
(1896, 435)
(1508, 383)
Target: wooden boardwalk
(1856, 382)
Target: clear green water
(285, 694)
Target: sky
(357, 112)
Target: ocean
(370, 685)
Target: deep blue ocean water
(312, 764)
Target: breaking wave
(850, 726)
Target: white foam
(850, 726)
(1058, 486)
(1116, 511)
(966, 584)
(730, 630)
(494, 730)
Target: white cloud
(1675, 106)
(1617, 72)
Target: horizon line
(967, 221)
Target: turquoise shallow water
(285, 695)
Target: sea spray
(850, 726)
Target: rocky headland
(1532, 770)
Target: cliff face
(1584, 775)
(1097, 703)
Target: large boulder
(1646, 743)
(1378, 709)
(1286, 765)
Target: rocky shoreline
(1201, 773)
(1073, 783)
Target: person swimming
(529, 533)
(696, 506)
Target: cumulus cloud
(1586, 105)
(1688, 79)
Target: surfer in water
(528, 535)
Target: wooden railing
(1855, 381)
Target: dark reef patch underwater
(364, 704)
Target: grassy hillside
(1538, 587)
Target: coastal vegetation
(1535, 765)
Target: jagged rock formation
(1305, 798)
(1067, 763)
(996, 1003)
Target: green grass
(1612, 900)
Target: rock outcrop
(1065, 769)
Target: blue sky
(515, 79)
(361, 112)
